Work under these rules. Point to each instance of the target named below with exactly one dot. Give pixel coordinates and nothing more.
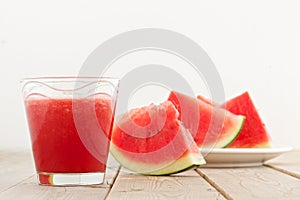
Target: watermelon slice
(205, 100)
(151, 140)
(210, 126)
(253, 134)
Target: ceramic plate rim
(279, 149)
(242, 157)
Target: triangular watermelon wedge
(151, 140)
(211, 126)
(254, 133)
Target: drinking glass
(70, 122)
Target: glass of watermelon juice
(70, 121)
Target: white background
(255, 46)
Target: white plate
(241, 157)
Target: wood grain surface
(182, 186)
(277, 179)
(288, 163)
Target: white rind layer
(168, 167)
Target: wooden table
(277, 179)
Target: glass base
(71, 179)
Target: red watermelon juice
(69, 136)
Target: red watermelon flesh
(210, 126)
(152, 140)
(205, 100)
(253, 133)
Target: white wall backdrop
(255, 46)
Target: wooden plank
(29, 189)
(15, 166)
(288, 163)
(252, 183)
(187, 185)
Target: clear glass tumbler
(70, 121)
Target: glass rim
(70, 78)
(77, 80)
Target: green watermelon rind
(189, 161)
(169, 170)
(231, 135)
(238, 131)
